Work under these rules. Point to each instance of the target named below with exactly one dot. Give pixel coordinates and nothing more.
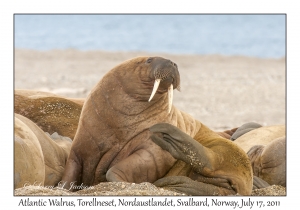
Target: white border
(8, 8)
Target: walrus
(260, 136)
(269, 162)
(114, 143)
(38, 159)
(52, 113)
(266, 148)
(29, 163)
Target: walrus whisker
(155, 87)
(170, 97)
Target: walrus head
(145, 77)
(164, 71)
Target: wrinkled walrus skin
(113, 142)
(38, 159)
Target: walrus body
(38, 159)
(266, 148)
(269, 162)
(52, 113)
(28, 156)
(260, 136)
(113, 141)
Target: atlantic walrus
(38, 159)
(266, 148)
(260, 136)
(113, 142)
(29, 164)
(52, 113)
(269, 162)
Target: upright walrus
(113, 141)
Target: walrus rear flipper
(183, 184)
(259, 183)
(245, 128)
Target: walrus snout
(164, 70)
(166, 75)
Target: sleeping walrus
(266, 148)
(119, 138)
(38, 158)
(52, 113)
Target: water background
(250, 35)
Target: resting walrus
(38, 159)
(266, 148)
(113, 141)
(52, 113)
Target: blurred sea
(250, 35)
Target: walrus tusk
(170, 96)
(155, 87)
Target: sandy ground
(222, 92)
(128, 189)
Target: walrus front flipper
(259, 183)
(183, 147)
(72, 173)
(143, 165)
(245, 128)
(183, 184)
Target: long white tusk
(155, 87)
(170, 96)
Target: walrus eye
(149, 60)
